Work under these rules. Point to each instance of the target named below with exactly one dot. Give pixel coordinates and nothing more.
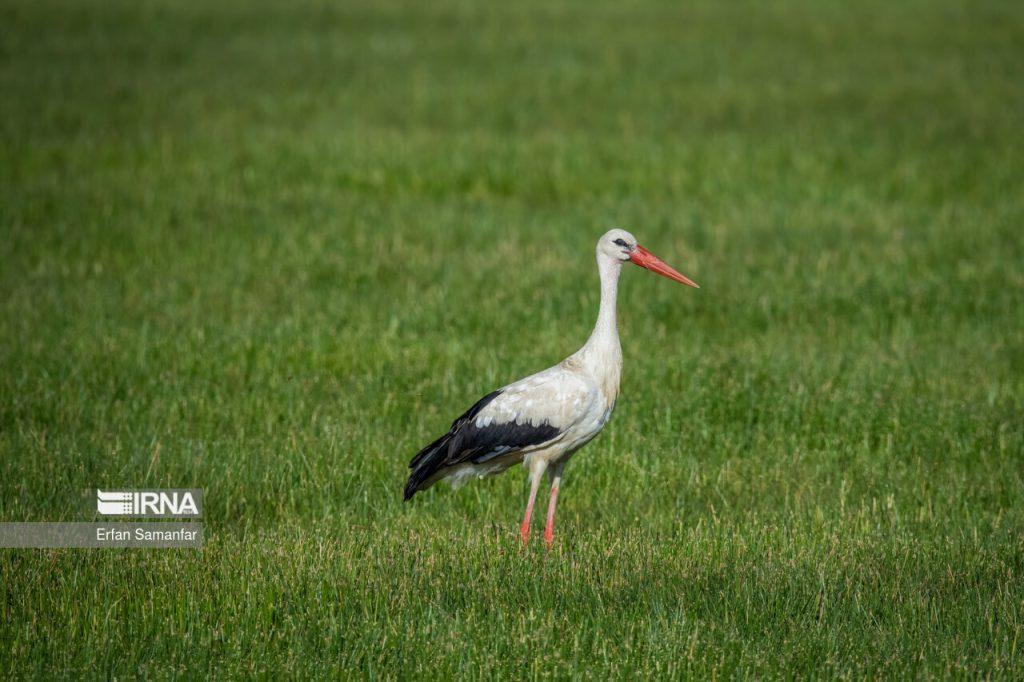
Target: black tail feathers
(425, 464)
(435, 456)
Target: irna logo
(155, 503)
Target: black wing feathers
(431, 458)
(466, 442)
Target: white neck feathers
(607, 328)
(601, 355)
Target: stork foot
(524, 533)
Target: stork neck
(606, 331)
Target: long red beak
(648, 260)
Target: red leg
(549, 528)
(536, 472)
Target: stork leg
(537, 467)
(556, 480)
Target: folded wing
(527, 414)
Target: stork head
(621, 246)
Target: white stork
(545, 418)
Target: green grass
(270, 250)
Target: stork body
(541, 420)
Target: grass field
(269, 250)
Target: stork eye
(620, 242)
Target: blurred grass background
(271, 249)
